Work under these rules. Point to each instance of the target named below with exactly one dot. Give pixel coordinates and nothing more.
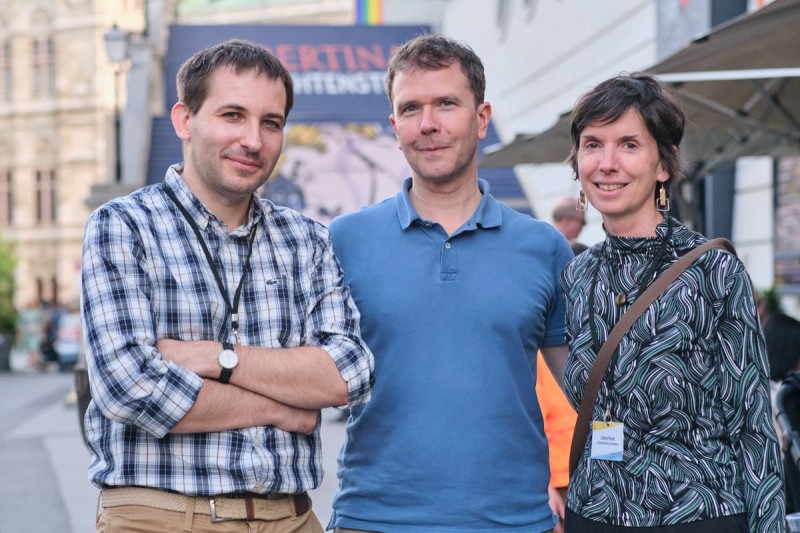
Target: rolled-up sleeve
(332, 321)
(130, 383)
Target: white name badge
(608, 440)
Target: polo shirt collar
(487, 215)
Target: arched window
(43, 57)
(46, 192)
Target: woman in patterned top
(682, 436)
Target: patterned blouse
(690, 384)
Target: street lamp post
(117, 50)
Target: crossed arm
(299, 381)
(219, 407)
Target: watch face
(228, 359)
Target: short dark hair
(566, 209)
(433, 52)
(659, 110)
(193, 75)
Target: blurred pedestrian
(570, 221)
(217, 325)
(67, 344)
(457, 292)
(30, 334)
(52, 316)
(782, 335)
(682, 439)
(559, 421)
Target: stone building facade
(56, 115)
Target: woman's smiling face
(619, 167)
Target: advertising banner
(340, 152)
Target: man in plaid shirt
(216, 323)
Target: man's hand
(299, 420)
(558, 507)
(198, 356)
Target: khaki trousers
(345, 530)
(138, 519)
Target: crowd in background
(48, 336)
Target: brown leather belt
(223, 508)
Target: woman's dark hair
(659, 110)
(193, 75)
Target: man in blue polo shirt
(457, 292)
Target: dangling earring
(581, 205)
(662, 202)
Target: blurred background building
(56, 103)
(83, 81)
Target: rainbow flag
(369, 12)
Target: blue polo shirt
(452, 439)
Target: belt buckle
(212, 504)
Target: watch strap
(225, 373)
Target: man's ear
(180, 121)
(394, 128)
(484, 117)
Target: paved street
(43, 482)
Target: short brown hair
(566, 209)
(433, 52)
(193, 75)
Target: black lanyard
(233, 310)
(648, 278)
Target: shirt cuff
(172, 398)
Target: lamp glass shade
(116, 44)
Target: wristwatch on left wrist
(227, 361)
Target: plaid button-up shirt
(145, 277)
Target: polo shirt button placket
(449, 262)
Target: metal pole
(117, 129)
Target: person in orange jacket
(559, 422)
